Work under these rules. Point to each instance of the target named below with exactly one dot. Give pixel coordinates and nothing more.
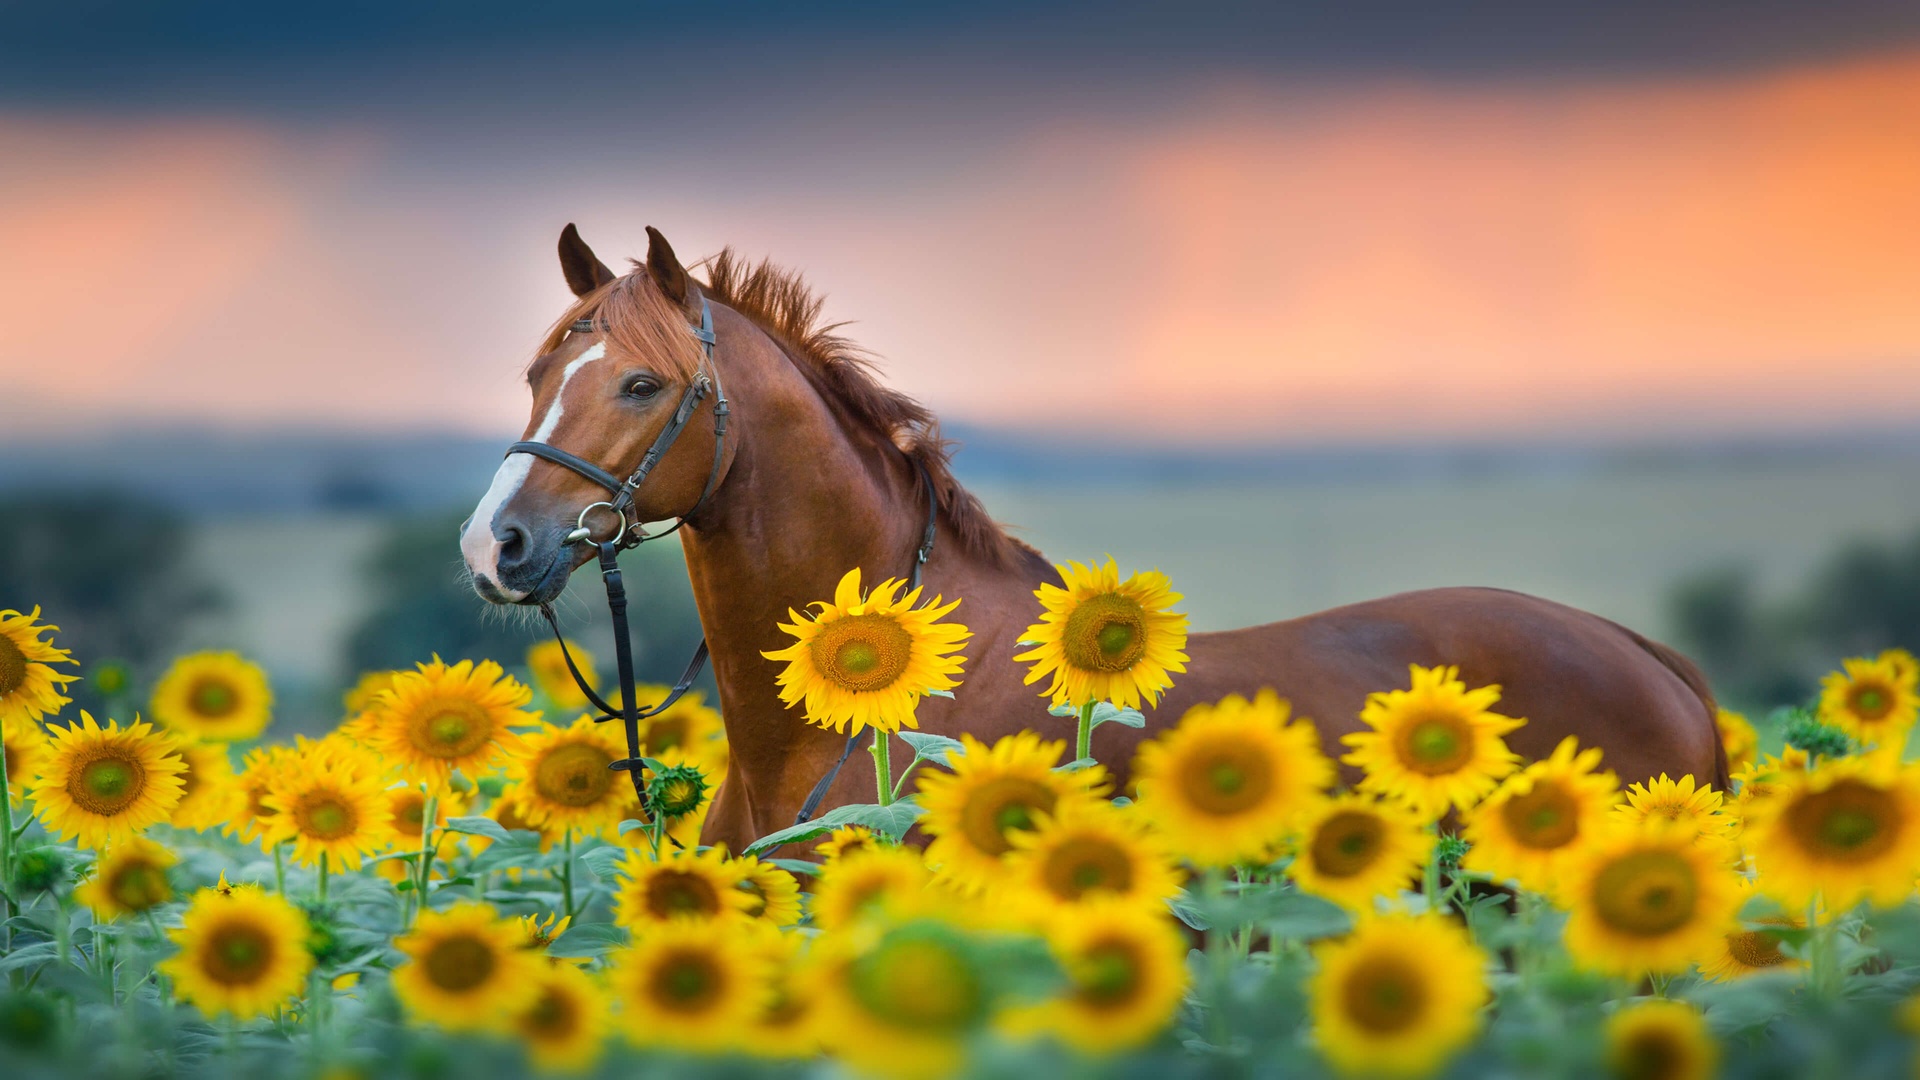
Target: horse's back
(1566, 671)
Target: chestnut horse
(820, 472)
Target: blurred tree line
(1761, 654)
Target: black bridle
(631, 534)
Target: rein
(631, 534)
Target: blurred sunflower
(689, 726)
(565, 1026)
(1103, 639)
(867, 660)
(1905, 665)
(1758, 781)
(25, 745)
(1434, 746)
(1537, 818)
(539, 935)
(561, 776)
(445, 717)
(29, 687)
(242, 952)
(258, 771)
(787, 1026)
(129, 879)
(1126, 968)
(1872, 700)
(465, 969)
(1754, 945)
(331, 806)
(775, 892)
(991, 794)
(1087, 851)
(1650, 899)
(210, 795)
(1739, 739)
(510, 810)
(548, 666)
(872, 881)
(699, 986)
(215, 696)
(903, 1003)
(846, 840)
(1227, 783)
(103, 784)
(1661, 1040)
(1679, 801)
(1398, 996)
(1353, 848)
(358, 703)
(686, 885)
(407, 813)
(1849, 830)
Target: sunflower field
(453, 883)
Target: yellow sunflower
(25, 746)
(1398, 996)
(562, 778)
(1742, 743)
(775, 892)
(1905, 664)
(1433, 746)
(441, 718)
(210, 792)
(1226, 784)
(1847, 831)
(1661, 1040)
(258, 771)
(407, 814)
(1649, 899)
(1758, 781)
(1753, 946)
(1680, 801)
(846, 840)
(216, 696)
(1126, 968)
(103, 784)
(1537, 818)
(29, 687)
(871, 882)
(466, 969)
(1872, 700)
(902, 1003)
(787, 1026)
(699, 986)
(359, 702)
(1103, 639)
(991, 794)
(510, 810)
(548, 666)
(328, 806)
(1354, 847)
(565, 1026)
(130, 878)
(685, 885)
(868, 660)
(689, 728)
(242, 952)
(1086, 851)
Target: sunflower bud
(677, 791)
(39, 870)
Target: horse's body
(822, 478)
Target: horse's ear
(584, 270)
(664, 267)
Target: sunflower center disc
(1383, 996)
(460, 964)
(410, 815)
(1001, 805)
(109, 785)
(675, 892)
(1105, 633)
(212, 698)
(665, 733)
(1107, 975)
(1226, 780)
(329, 819)
(236, 955)
(1654, 1053)
(862, 652)
(1849, 822)
(1646, 893)
(1755, 949)
(1542, 819)
(13, 666)
(1348, 843)
(574, 775)
(139, 886)
(919, 985)
(452, 730)
(686, 981)
(1871, 702)
(1080, 866)
(553, 1016)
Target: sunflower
(1848, 830)
(688, 724)
(1354, 847)
(1228, 781)
(29, 687)
(903, 1003)
(1398, 996)
(1536, 819)
(692, 985)
(258, 772)
(242, 952)
(101, 784)
(991, 794)
(1905, 665)
(25, 746)
(1088, 850)
(328, 806)
(215, 696)
(868, 660)
(1753, 946)
(510, 810)
(775, 892)
(210, 795)
(1873, 700)
(1126, 968)
(686, 885)
(1758, 781)
(1680, 801)
(548, 666)
(129, 879)
(564, 1027)
(872, 881)
(788, 1023)
(1661, 1040)
(562, 778)
(441, 718)
(846, 840)
(1433, 746)
(359, 700)
(1103, 639)
(1649, 899)
(407, 814)
(466, 968)
(1739, 739)
(539, 935)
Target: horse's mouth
(552, 583)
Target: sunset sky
(1670, 221)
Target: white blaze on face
(477, 542)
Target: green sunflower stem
(1823, 959)
(423, 870)
(1083, 740)
(1430, 880)
(6, 858)
(279, 871)
(566, 873)
(323, 878)
(882, 768)
(1219, 957)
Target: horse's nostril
(513, 543)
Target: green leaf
(892, 820)
(796, 866)
(587, 940)
(1105, 712)
(948, 694)
(1285, 912)
(935, 748)
(1077, 764)
(1062, 710)
(631, 824)
(478, 826)
(604, 862)
(1184, 909)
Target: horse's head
(609, 378)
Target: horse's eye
(642, 388)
